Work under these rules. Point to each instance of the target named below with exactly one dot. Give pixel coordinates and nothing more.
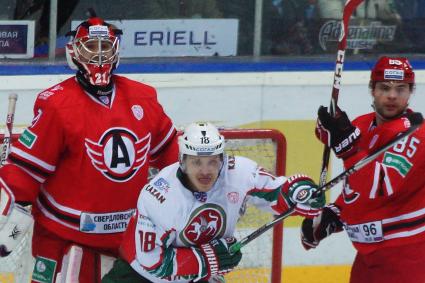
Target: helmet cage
(94, 51)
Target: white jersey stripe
(405, 233)
(409, 215)
(59, 206)
(36, 177)
(54, 218)
(33, 159)
(158, 147)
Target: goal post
(268, 148)
(261, 260)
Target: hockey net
(262, 258)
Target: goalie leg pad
(71, 265)
(14, 228)
(81, 265)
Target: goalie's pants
(49, 248)
(403, 264)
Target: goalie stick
(349, 8)
(416, 121)
(9, 125)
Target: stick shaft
(349, 8)
(9, 126)
(360, 164)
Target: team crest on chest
(205, 223)
(118, 154)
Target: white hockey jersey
(170, 218)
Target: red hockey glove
(337, 132)
(298, 190)
(216, 258)
(316, 229)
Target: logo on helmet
(391, 74)
(101, 31)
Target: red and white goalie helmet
(94, 50)
(393, 69)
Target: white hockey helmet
(201, 139)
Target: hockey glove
(316, 229)
(337, 132)
(298, 192)
(216, 259)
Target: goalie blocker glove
(337, 132)
(316, 229)
(214, 258)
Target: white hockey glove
(15, 221)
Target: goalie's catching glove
(216, 259)
(316, 229)
(299, 191)
(337, 132)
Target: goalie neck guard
(94, 50)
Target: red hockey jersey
(91, 158)
(383, 204)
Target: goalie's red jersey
(383, 204)
(91, 158)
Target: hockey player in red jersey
(381, 207)
(85, 157)
(186, 216)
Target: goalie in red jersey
(82, 161)
(381, 207)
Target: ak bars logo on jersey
(118, 154)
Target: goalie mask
(200, 139)
(93, 50)
(392, 69)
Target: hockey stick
(415, 121)
(9, 125)
(349, 8)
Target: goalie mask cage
(262, 258)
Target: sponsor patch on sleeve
(28, 138)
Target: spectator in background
(412, 14)
(171, 9)
(244, 10)
(369, 9)
(39, 10)
(288, 26)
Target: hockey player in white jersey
(186, 216)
